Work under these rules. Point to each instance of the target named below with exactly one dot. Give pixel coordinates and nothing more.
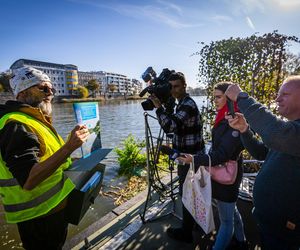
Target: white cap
(26, 77)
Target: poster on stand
(87, 113)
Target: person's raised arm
(42, 170)
(255, 147)
(276, 133)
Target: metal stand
(165, 192)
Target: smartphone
(230, 107)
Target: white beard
(45, 107)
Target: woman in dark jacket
(226, 145)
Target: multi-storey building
(137, 86)
(64, 77)
(85, 77)
(117, 83)
(111, 82)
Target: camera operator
(186, 125)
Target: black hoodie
(19, 147)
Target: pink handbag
(224, 173)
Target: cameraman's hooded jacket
(27, 137)
(186, 125)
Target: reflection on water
(118, 120)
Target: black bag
(87, 175)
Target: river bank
(5, 96)
(99, 99)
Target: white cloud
(171, 6)
(164, 12)
(286, 4)
(220, 18)
(171, 20)
(241, 7)
(250, 23)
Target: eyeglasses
(46, 89)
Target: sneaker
(180, 235)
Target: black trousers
(49, 232)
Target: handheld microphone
(172, 153)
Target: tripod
(165, 192)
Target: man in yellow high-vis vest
(33, 158)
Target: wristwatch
(242, 95)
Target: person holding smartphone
(276, 189)
(226, 145)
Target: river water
(118, 120)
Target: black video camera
(160, 87)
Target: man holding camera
(276, 190)
(186, 125)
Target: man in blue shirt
(276, 193)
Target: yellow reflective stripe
(38, 200)
(8, 182)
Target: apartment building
(85, 77)
(111, 82)
(64, 77)
(137, 86)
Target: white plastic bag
(196, 197)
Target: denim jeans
(230, 222)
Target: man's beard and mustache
(44, 106)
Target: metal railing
(246, 187)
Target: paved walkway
(124, 229)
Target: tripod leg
(146, 204)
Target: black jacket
(19, 148)
(226, 145)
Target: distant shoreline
(98, 99)
(5, 96)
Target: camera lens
(147, 105)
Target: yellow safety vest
(20, 204)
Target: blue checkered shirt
(186, 125)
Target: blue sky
(128, 36)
